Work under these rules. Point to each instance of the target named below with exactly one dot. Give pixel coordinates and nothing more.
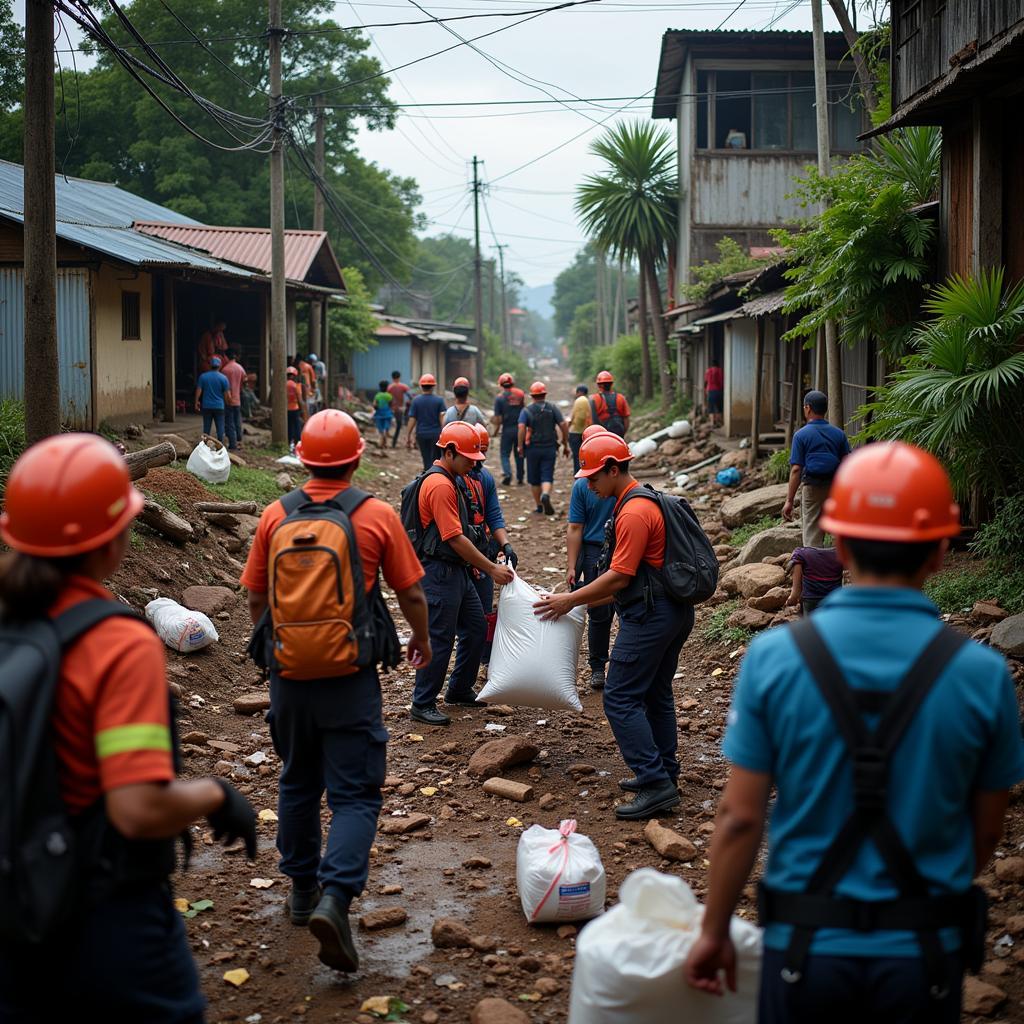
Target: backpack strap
(82, 617)
(294, 500)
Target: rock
(669, 844)
(448, 933)
(753, 580)
(246, 525)
(494, 756)
(581, 769)
(251, 703)
(198, 738)
(566, 931)
(981, 997)
(175, 689)
(724, 551)
(284, 481)
(1015, 924)
(497, 1011)
(403, 826)
(255, 759)
(236, 459)
(752, 505)
(738, 458)
(483, 943)
(509, 790)
(208, 600)
(769, 544)
(429, 1017)
(547, 986)
(547, 802)
(477, 863)
(672, 447)
(1010, 869)
(181, 447)
(1008, 636)
(388, 917)
(225, 746)
(988, 612)
(773, 601)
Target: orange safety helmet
(592, 430)
(538, 388)
(67, 495)
(601, 447)
(428, 380)
(604, 377)
(891, 491)
(506, 378)
(461, 382)
(485, 437)
(464, 437)
(330, 438)
(292, 371)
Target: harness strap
(80, 618)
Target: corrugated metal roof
(762, 305)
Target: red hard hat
(604, 377)
(461, 382)
(67, 495)
(464, 437)
(538, 387)
(594, 428)
(601, 447)
(485, 437)
(330, 438)
(506, 378)
(292, 371)
(428, 380)
(892, 492)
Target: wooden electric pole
(478, 292)
(278, 298)
(506, 338)
(833, 359)
(316, 307)
(41, 369)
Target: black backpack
(690, 572)
(542, 424)
(426, 540)
(39, 842)
(612, 421)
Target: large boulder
(778, 540)
(738, 458)
(773, 601)
(753, 580)
(749, 618)
(753, 505)
(493, 757)
(208, 600)
(1008, 636)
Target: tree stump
(166, 522)
(142, 461)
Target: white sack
(629, 964)
(559, 875)
(533, 662)
(289, 460)
(179, 627)
(213, 466)
(645, 446)
(681, 428)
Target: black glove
(234, 819)
(510, 556)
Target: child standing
(816, 573)
(383, 415)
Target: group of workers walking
(890, 741)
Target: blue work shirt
(509, 413)
(492, 507)
(586, 508)
(526, 421)
(818, 448)
(965, 737)
(214, 386)
(427, 410)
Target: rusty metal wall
(745, 189)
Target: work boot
(650, 802)
(300, 903)
(330, 927)
(538, 511)
(633, 785)
(429, 716)
(464, 700)
(597, 678)
(519, 482)
(545, 500)
(506, 480)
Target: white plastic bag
(645, 446)
(629, 964)
(289, 460)
(210, 464)
(181, 629)
(533, 662)
(559, 875)
(681, 428)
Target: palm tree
(630, 211)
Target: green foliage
(960, 393)
(742, 534)
(499, 361)
(717, 630)
(12, 48)
(955, 590)
(168, 501)
(247, 484)
(875, 45)
(776, 469)
(732, 258)
(1002, 537)
(352, 325)
(583, 339)
(136, 540)
(12, 435)
(577, 284)
(864, 260)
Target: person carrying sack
(90, 805)
(322, 629)
(609, 409)
(892, 742)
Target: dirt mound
(183, 487)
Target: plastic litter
(289, 460)
(728, 477)
(645, 446)
(533, 662)
(681, 428)
(208, 462)
(682, 479)
(559, 875)
(629, 964)
(179, 627)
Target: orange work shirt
(111, 717)
(602, 404)
(294, 395)
(308, 378)
(639, 535)
(439, 503)
(383, 543)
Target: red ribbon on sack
(566, 829)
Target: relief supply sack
(210, 461)
(629, 964)
(559, 875)
(533, 663)
(179, 627)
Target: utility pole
(492, 309)
(833, 361)
(506, 338)
(316, 308)
(278, 299)
(478, 293)
(41, 369)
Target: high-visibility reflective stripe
(123, 739)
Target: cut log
(245, 508)
(165, 522)
(142, 461)
(224, 519)
(509, 790)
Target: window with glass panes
(773, 110)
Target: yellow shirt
(580, 418)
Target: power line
(721, 24)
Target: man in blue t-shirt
(426, 418)
(540, 426)
(211, 387)
(818, 448)
(588, 514)
(507, 407)
(866, 894)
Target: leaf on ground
(198, 907)
(380, 1005)
(717, 672)
(267, 815)
(529, 997)
(414, 737)
(181, 905)
(237, 977)
(428, 790)
(514, 822)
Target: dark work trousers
(454, 609)
(575, 440)
(509, 442)
(294, 426)
(399, 420)
(638, 691)
(233, 425)
(856, 990)
(599, 620)
(428, 449)
(214, 418)
(484, 587)
(124, 962)
(330, 735)
(808, 604)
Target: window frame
(127, 296)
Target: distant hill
(539, 298)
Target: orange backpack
(321, 616)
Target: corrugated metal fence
(72, 340)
